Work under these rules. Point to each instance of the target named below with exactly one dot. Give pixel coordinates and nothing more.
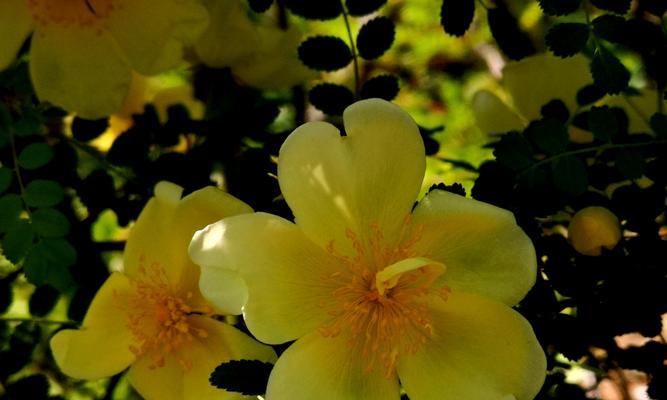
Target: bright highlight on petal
(371, 289)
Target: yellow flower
(593, 228)
(372, 290)
(83, 51)
(536, 80)
(153, 316)
(259, 54)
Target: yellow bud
(593, 228)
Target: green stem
(355, 57)
(99, 157)
(17, 171)
(600, 149)
(38, 321)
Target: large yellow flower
(83, 51)
(372, 290)
(153, 316)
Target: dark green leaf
(608, 72)
(456, 16)
(375, 37)
(658, 124)
(11, 208)
(321, 9)
(559, 7)
(569, 175)
(363, 7)
(260, 5)
(49, 262)
(18, 241)
(655, 7)
(43, 193)
(248, 377)
(6, 294)
(549, 134)
(88, 129)
(602, 123)
(30, 387)
(35, 155)
(610, 27)
(455, 188)
(42, 300)
(617, 6)
(567, 39)
(382, 86)
(6, 177)
(643, 36)
(589, 94)
(504, 27)
(630, 163)
(514, 151)
(49, 222)
(30, 123)
(325, 53)
(557, 110)
(330, 98)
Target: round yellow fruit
(593, 228)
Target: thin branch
(38, 321)
(355, 56)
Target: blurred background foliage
(70, 187)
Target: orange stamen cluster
(158, 318)
(82, 13)
(382, 324)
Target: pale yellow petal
(369, 177)
(163, 383)
(283, 270)
(493, 116)
(15, 25)
(315, 367)
(78, 69)
(153, 33)
(101, 347)
(223, 343)
(230, 36)
(536, 80)
(481, 350)
(164, 228)
(484, 250)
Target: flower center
(382, 308)
(158, 318)
(70, 12)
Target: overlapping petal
(153, 33)
(15, 25)
(336, 183)
(79, 69)
(493, 116)
(315, 367)
(284, 271)
(164, 383)
(481, 350)
(104, 334)
(163, 230)
(484, 250)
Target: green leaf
(43, 193)
(6, 177)
(42, 300)
(456, 16)
(514, 42)
(603, 124)
(617, 6)
(514, 151)
(11, 208)
(383, 86)
(549, 134)
(360, 8)
(325, 53)
(248, 377)
(559, 7)
(49, 222)
(18, 241)
(630, 163)
(610, 27)
(608, 72)
(49, 262)
(330, 98)
(589, 94)
(658, 124)
(30, 123)
(375, 37)
(35, 155)
(569, 175)
(567, 39)
(321, 9)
